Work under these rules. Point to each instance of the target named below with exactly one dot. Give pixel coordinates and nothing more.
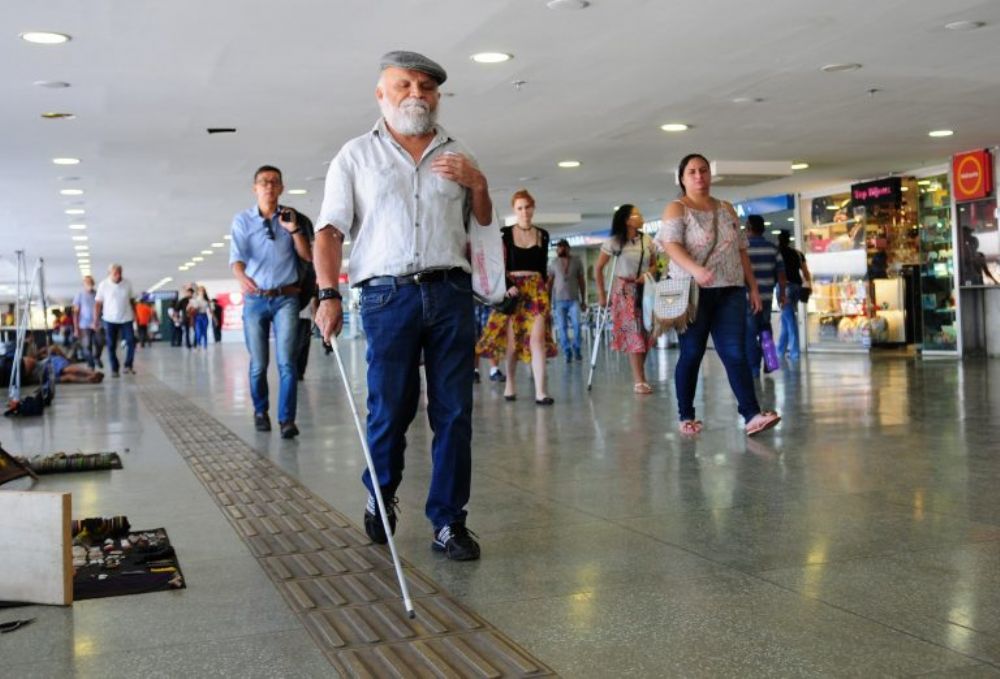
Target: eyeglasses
(270, 229)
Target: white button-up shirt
(401, 217)
(116, 300)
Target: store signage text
(880, 191)
(973, 173)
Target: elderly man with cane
(407, 193)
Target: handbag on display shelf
(676, 300)
(486, 255)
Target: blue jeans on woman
(722, 313)
(401, 322)
(259, 313)
(201, 330)
(789, 323)
(568, 312)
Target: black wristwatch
(328, 293)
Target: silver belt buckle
(418, 277)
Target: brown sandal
(762, 421)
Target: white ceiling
(297, 79)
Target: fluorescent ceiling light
(218, 245)
(940, 133)
(66, 161)
(75, 211)
(964, 25)
(227, 237)
(569, 163)
(800, 166)
(58, 115)
(51, 84)
(207, 252)
(182, 267)
(82, 254)
(840, 68)
(674, 127)
(80, 247)
(159, 284)
(44, 37)
(491, 57)
(748, 100)
(71, 192)
(197, 259)
(80, 238)
(297, 192)
(78, 227)
(189, 264)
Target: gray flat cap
(413, 62)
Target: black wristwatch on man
(328, 293)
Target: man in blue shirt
(768, 269)
(83, 319)
(267, 243)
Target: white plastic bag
(486, 256)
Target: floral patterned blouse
(694, 231)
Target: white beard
(412, 118)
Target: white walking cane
(602, 317)
(407, 603)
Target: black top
(535, 258)
(793, 264)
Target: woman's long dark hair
(619, 224)
(683, 166)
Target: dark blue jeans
(401, 322)
(115, 332)
(721, 314)
(756, 324)
(258, 314)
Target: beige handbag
(676, 303)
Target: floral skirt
(533, 303)
(627, 333)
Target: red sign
(973, 175)
(232, 310)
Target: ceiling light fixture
(840, 68)
(51, 84)
(78, 227)
(159, 284)
(964, 25)
(748, 100)
(208, 252)
(776, 232)
(80, 238)
(83, 255)
(182, 267)
(567, 4)
(71, 192)
(75, 211)
(297, 192)
(218, 245)
(800, 166)
(940, 133)
(675, 127)
(65, 161)
(189, 264)
(197, 259)
(44, 37)
(567, 164)
(81, 247)
(491, 57)
(58, 115)
(227, 237)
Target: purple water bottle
(771, 362)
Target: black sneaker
(497, 376)
(373, 522)
(261, 422)
(457, 543)
(288, 430)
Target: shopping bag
(486, 257)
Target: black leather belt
(429, 276)
(283, 291)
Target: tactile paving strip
(341, 585)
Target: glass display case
(980, 239)
(937, 265)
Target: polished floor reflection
(859, 538)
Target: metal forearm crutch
(407, 603)
(602, 317)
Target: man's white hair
(114, 267)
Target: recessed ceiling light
(940, 133)
(840, 68)
(674, 127)
(78, 227)
(491, 57)
(82, 255)
(44, 37)
(189, 264)
(51, 84)
(227, 237)
(197, 259)
(748, 100)
(71, 192)
(527, 179)
(80, 247)
(58, 115)
(567, 4)
(80, 238)
(182, 268)
(66, 161)
(75, 211)
(569, 163)
(218, 245)
(208, 252)
(297, 192)
(964, 25)
(800, 166)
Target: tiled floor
(860, 538)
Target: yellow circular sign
(966, 175)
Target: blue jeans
(115, 332)
(756, 323)
(568, 311)
(402, 321)
(721, 313)
(258, 314)
(201, 330)
(790, 323)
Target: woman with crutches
(635, 252)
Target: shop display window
(980, 242)
(937, 265)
